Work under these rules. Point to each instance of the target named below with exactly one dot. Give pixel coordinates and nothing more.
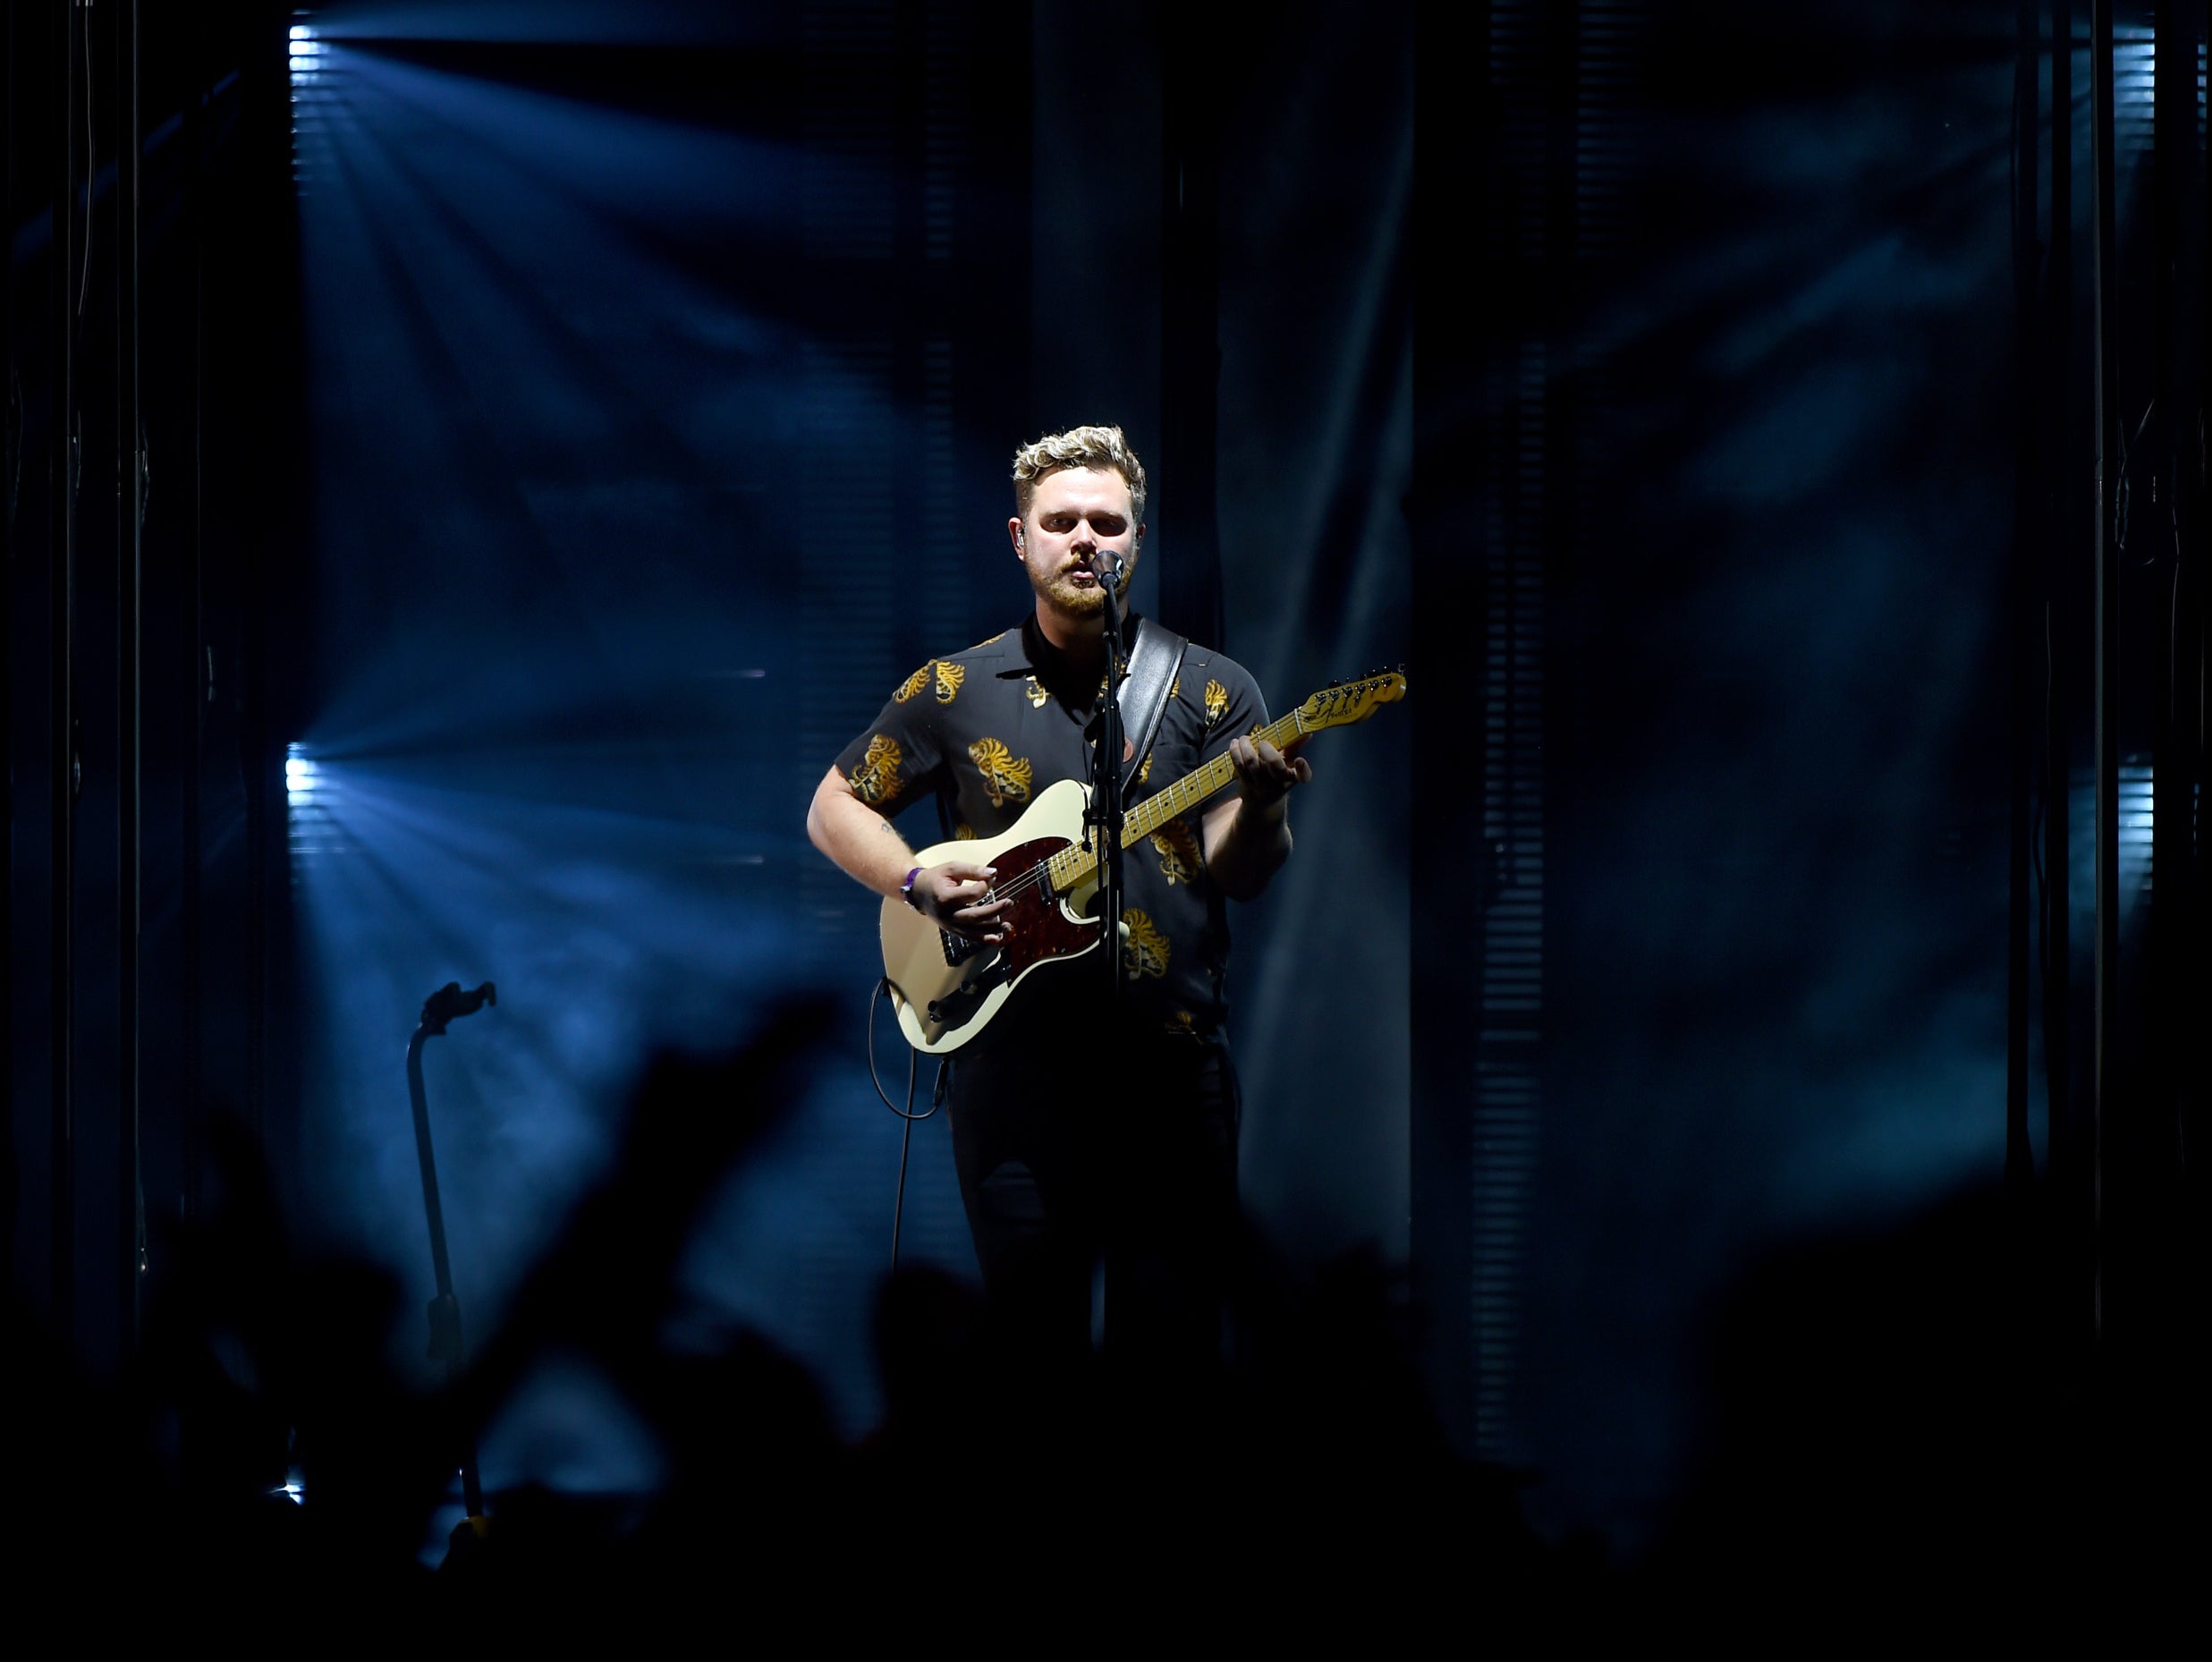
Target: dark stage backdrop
(657, 369)
(1748, 423)
(659, 361)
(662, 368)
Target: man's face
(1073, 514)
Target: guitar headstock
(1344, 702)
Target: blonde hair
(1078, 447)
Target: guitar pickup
(954, 1009)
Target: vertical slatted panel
(848, 131)
(847, 421)
(1563, 83)
(2134, 51)
(943, 595)
(886, 126)
(849, 516)
(947, 55)
(1508, 1096)
(881, 536)
(2137, 816)
(2144, 524)
(1507, 1089)
(946, 594)
(316, 72)
(2137, 810)
(844, 620)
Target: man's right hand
(957, 896)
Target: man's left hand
(1265, 774)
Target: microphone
(1107, 566)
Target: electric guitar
(947, 988)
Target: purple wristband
(907, 888)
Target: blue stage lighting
(2136, 792)
(301, 776)
(307, 57)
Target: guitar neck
(1077, 861)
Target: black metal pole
(10, 451)
(196, 683)
(63, 463)
(441, 1265)
(2058, 610)
(2107, 705)
(264, 95)
(2019, 1159)
(130, 482)
(446, 1340)
(2159, 1141)
(445, 1005)
(2194, 922)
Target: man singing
(1079, 1135)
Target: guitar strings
(1041, 872)
(1288, 725)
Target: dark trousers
(1070, 1154)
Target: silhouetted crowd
(1885, 1436)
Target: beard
(1081, 601)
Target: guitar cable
(906, 1114)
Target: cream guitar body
(947, 988)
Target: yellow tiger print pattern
(1180, 861)
(913, 683)
(1039, 698)
(1145, 772)
(949, 677)
(1005, 773)
(877, 779)
(1145, 951)
(1217, 701)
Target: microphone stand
(1104, 815)
(444, 1006)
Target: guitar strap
(1154, 661)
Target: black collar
(1056, 671)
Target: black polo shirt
(985, 731)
